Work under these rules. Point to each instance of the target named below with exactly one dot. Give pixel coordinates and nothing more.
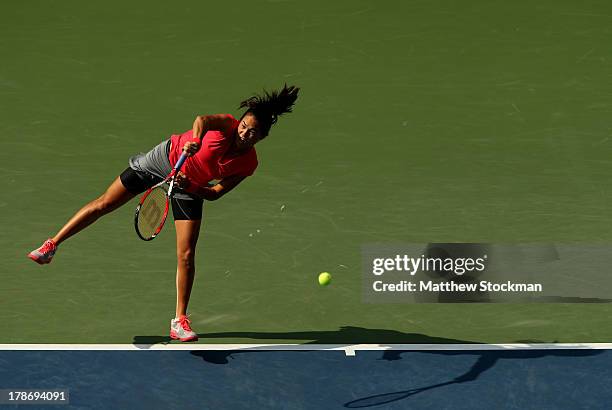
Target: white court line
(349, 350)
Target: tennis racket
(152, 209)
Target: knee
(186, 257)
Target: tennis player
(220, 147)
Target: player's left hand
(182, 181)
(191, 147)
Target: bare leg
(187, 233)
(115, 196)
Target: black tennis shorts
(136, 182)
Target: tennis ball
(324, 278)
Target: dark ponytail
(271, 105)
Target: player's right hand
(191, 147)
(182, 181)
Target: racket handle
(180, 161)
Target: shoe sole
(38, 260)
(184, 339)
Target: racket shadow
(386, 398)
(485, 361)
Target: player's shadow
(485, 360)
(350, 335)
(346, 335)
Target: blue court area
(508, 379)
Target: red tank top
(211, 161)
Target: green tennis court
(418, 122)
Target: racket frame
(170, 179)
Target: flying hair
(267, 107)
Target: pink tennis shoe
(180, 329)
(45, 253)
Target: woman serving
(219, 147)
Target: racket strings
(152, 212)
